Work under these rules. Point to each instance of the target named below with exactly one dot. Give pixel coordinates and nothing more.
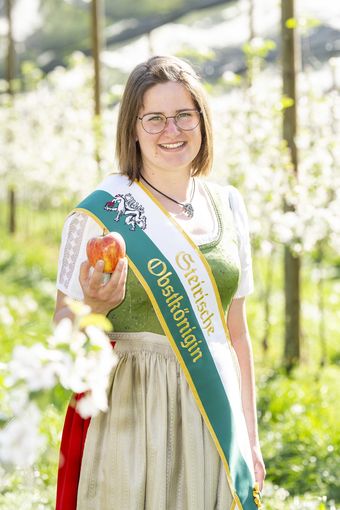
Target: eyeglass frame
(170, 117)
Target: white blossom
(37, 366)
(6, 318)
(20, 440)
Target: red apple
(109, 248)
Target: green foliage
(30, 75)
(286, 102)
(304, 23)
(299, 425)
(292, 23)
(75, 27)
(258, 47)
(27, 276)
(311, 316)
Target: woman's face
(173, 149)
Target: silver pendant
(188, 210)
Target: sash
(183, 292)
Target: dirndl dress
(151, 450)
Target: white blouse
(79, 228)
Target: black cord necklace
(187, 208)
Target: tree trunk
(321, 304)
(96, 47)
(10, 74)
(251, 9)
(291, 261)
(11, 210)
(97, 37)
(292, 309)
(268, 279)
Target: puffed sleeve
(78, 229)
(246, 282)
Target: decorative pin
(188, 210)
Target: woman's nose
(171, 126)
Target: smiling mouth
(172, 146)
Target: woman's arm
(61, 309)
(240, 338)
(101, 297)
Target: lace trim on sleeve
(72, 248)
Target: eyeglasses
(154, 123)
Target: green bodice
(136, 312)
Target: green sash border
(202, 374)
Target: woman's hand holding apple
(109, 248)
(103, 297)
(106, 254)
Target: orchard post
(10, 75)
(292, 349)
(97, 15)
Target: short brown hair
(157, 70)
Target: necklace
(187, 207)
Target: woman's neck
(177, 185)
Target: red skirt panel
(71, 452)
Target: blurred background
(271, 70)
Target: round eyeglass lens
(155, 123)
(187, 120)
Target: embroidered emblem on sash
(126, 205)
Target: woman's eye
(184, 115)
(155, 118)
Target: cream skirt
(151, 450)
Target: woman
(181, 430)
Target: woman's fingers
(96, 279)
(99, 295)
(122, 278)
(259, 467)
(118, 278)
(123, 274)
(91, 281)
(84, 272)
(260, 474)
